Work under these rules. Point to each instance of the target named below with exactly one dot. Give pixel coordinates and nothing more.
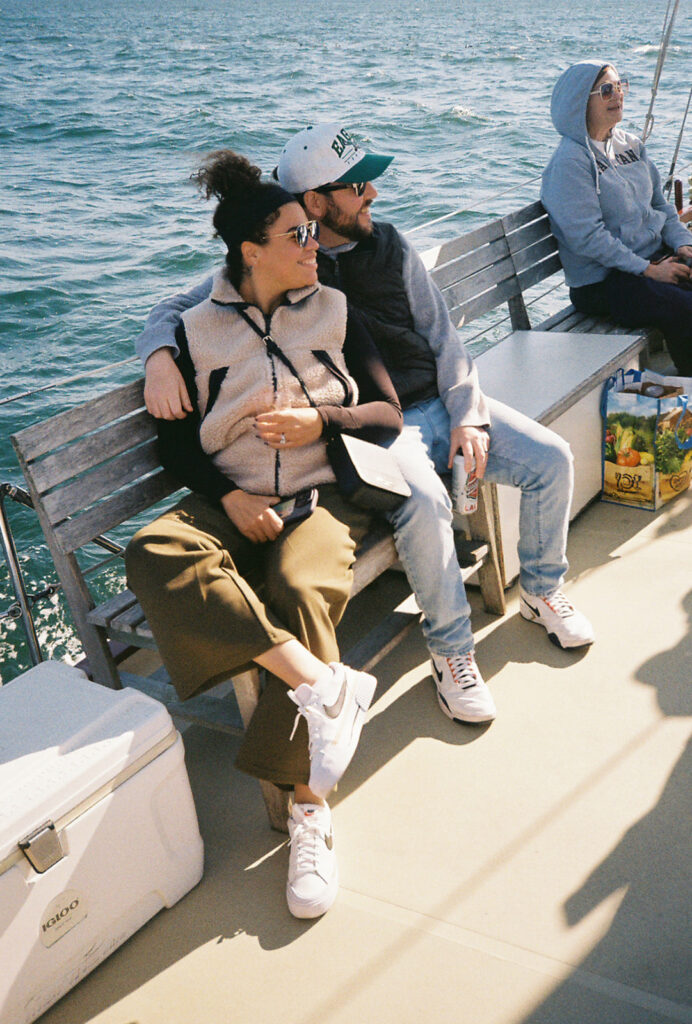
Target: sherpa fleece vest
(238, 377)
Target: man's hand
(474, 442)
(296, 426)
(669, 271)
(165, 393)
(253, 515)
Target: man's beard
(344, 224)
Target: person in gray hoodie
(622, 245)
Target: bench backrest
(88, 470)
(93, 467)
(495, 264)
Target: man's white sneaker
(461, 692)
(333, 730)
(565, 626)
(313, 877)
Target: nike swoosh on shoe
(335, 709)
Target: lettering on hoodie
(628, 156)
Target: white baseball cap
(326, 153)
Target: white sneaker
(333, 731)
(461, 691)
(313, 877)
(565, 626)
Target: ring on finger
(282, 439)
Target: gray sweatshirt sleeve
(457, 376)
(159, 330)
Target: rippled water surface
(105, 108)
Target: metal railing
(25, 600)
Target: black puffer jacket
(371, 277)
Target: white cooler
(98, 829)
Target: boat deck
(535, 871)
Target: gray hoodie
(605, 213)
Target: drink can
(464, 486)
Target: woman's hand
(165, 394)
(289, 428)
(253, 515)
(685, 251)
(669, 270)
(474, 443)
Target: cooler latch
(42, 847)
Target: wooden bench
(95, 467)
(553, 371)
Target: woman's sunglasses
(301, 233)
(606, 90)
(358, 187)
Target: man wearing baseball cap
(445, 412)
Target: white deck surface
(536, 871)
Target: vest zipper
(275, 390)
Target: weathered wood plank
(466, 312)
(92, 450)
(462, 244)
(479, 284)
(71, 534)
(532, 254)
(539, 272)
(512, 221)
(100, 482)
(477, 260)
(44, 437)
(102, 615)
(529, 235)
(129, 620)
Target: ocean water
(106, 108)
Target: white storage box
(98, 829)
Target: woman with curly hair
(274, 366)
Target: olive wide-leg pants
(196, 578)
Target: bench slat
(479, 284)
(71, 534)
(92, 450)
(128, 621)
(102, 615)
(539, 272)
(528, 235)
(534, 211)
(99, 483)
(46, 436)
(466, 312)
(532, 254)
(465, 243)
(469, 264)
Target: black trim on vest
(216, 379)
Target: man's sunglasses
(358, 187)
(301, 233)
(606, 90)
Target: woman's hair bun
(224, 174)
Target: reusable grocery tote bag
(647, 438)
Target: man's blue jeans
(522, 454)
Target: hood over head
(571, 96)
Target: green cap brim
(367, 169)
